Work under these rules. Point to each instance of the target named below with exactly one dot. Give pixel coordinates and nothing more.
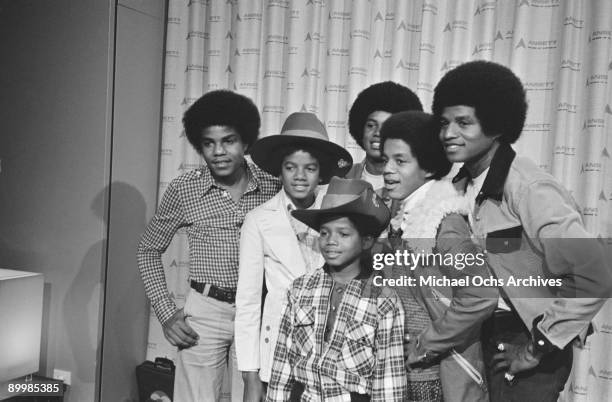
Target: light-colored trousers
(200, 369)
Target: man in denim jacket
(552, 274)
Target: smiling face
(371, 134)
(300, 177)
(402, 173)
(341, 244)
(223, 151)
(464, 139)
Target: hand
(515, 358)
(253, 387)
(178, 332)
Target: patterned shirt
(212, 219)
(363, 353)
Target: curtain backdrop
(315, 55)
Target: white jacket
(268, 249)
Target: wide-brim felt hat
(353, 197)
(305, 130)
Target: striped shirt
(364, 351)
(212, 220)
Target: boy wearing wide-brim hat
(274, 246)
(341, 334)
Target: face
(463, 137)
(223, 151)
(300, 177)
(402, 172)
(340, 242)
(371, 134)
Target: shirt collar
(416, 196)
(366, 270)
(290, 206)
(208, 181)
(493, 186)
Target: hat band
(306, 133)
(334, 200)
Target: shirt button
(333, 308)
(506, 242)
(477, 218)
(266, 340)
(267, 327)
(339, 290)
(541, 342)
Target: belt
(224, 295)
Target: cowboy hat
(353, 197)
(302, 130)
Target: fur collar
(420, 223)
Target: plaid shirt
(364, 353)
(213, 222)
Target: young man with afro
(371, 108)
(552, 274)
(210, 203)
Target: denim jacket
(531, 227)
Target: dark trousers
(543, 383)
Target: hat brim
(314, 217)
(336, 160)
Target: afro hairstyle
(222, 108)
(494, 91)
(421, 131)
(385, 96)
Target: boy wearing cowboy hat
(274, 246)
(341, 336)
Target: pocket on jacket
(505, 240)
(357, 354)
(303, 329)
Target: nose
(219, 149)
(300, 174)
(388, 167)
(332, 238)
(448, 132)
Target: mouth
(221, 164)
(331, 254)
(300, 187)
(375, 145)
(450, 147)
(390, 184)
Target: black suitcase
(155, 380)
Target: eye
(230, 140)
(207, 144)
(401, 162)
(443, 123)
(312, 169)
(323, 233)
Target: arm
(470, 305)
(281, 380)
(571, 253)
(248, 306)
(155, 240)
(389, 377)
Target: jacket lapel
(275, 226)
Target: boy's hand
(178, 332)
(253, 387)
(516, 358)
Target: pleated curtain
(316, 56)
